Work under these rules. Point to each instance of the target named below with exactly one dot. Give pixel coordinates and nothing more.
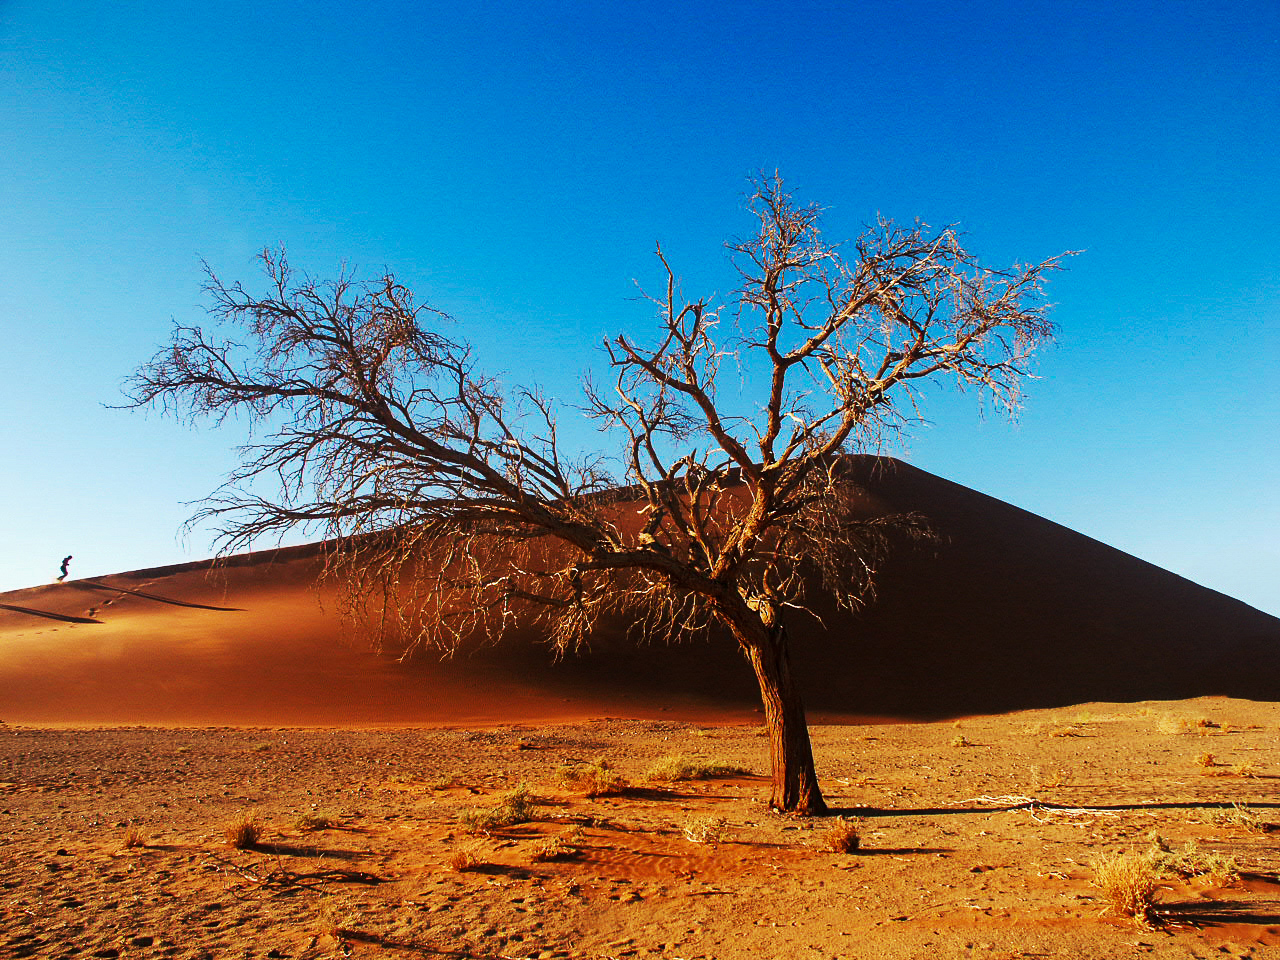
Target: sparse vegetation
(961, 741)
(680, 767)
(595, 779)
(518, 806)
(842, 837)
(1207, 760)
(1129, 882)
(244, 833)
(133, 837)
(1240, 816)
(330, 920)
(559, 846)
(1192, 862)
(312, 822)
(706, 829)
(463, 859)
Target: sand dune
(1005, 610)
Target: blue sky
(516, 163)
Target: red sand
(1005, 611)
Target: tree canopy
(378, 429)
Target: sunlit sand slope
(1002, 610)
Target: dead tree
(450, 499)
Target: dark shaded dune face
(1002, 610)
(1007, 610)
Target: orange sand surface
(978, 840)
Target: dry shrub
(843, 837)
(518, 806)
(961, 741)
(1249, 769)
(680, 767)
(330, 920)
(463, 860)
(559, 847)
(1240, 816)
(1203, 726)
(1207, 760)
(1220, 869)
(311, 822)
(706, 829)
(244, 833)
(595, 779)
(1129, 882)
(133, 837)
(1192, 862)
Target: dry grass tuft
(133, 837)
(518, 806)
(463, 860)
(1129, 882)
(843, 837)
(961, 741)
(244, 833)
(1207, 760)
(680, 767)
(330, 920)
(1240, 816)
(595, 779)
(706, 829)
(1218, 868)
(559, 847)
(312, 822)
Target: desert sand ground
(977, 839)
(143, 714)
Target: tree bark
(795, 779)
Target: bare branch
(455, 515)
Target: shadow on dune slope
(1009, 610)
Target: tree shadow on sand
(48, 614)
(1213, 913)
(1034, 805)
(95, 585)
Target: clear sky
(516, 162)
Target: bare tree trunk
(795, 779)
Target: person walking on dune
(65, 561)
